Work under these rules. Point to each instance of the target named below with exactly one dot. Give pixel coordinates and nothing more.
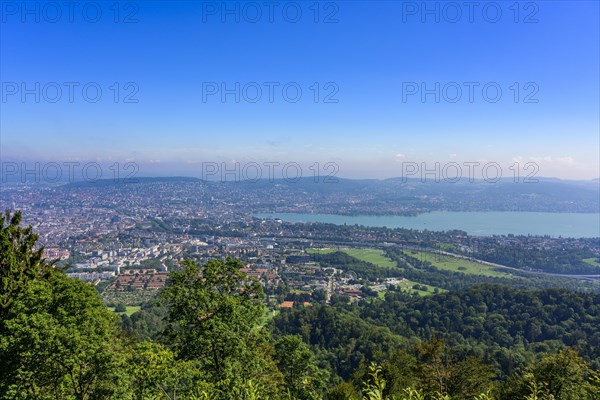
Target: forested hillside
(502, 326)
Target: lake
(575, 225)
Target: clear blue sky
(372, 53)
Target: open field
(446, 246)
(450, 263)
(130, 310)
(268, 316)
(320, 251)
(373, 256)
(591, 261)
(408, 287)
(379, 258)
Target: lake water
(474, 223)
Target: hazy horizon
(367, 86)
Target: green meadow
(129, 310)
(379, 258)
(591, 261)
(455, 264)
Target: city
(126, 237)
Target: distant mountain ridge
(389, 196)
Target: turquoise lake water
(474, 223)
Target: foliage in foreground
(59, 341)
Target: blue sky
(170, 54)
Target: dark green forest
(208, 335)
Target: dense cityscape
(125, 237)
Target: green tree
(565, 376)
(214, 319)
(595, 383)
(57, 339)
(156, 374)
(342, 391)
(60, 341)
(400, 371)
(470, 378)
(436, 365)
(559, 376)
(20, 262)
(303, 378)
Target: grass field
(408, 287)
(130, 310)
(268, 316)
(379, 258)
(591, 261)
(374, 256)
(446, 246)
(449, 263)
(320, 251)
